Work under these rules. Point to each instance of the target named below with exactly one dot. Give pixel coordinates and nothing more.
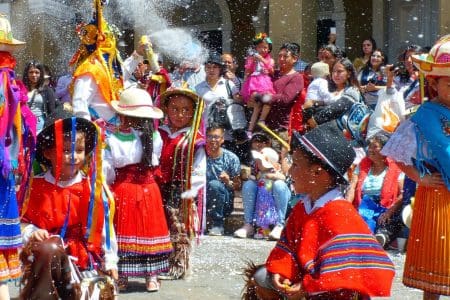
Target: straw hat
(136, 102)
(179, 91)
(437, 61)
(7, 42)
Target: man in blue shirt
(222, 176)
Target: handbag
(388, 113)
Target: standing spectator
(222, 177)
(420, 146)
(229, 62)
(41, 98)
(215, 87)
(367, 47)
(288, 85)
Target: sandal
(152, 284)
(122, 284)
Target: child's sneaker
(260, 234)
(249, 135)
(275, 234)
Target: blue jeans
(219, 202)
(281, 195)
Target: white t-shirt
(318, 90)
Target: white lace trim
(402, 145)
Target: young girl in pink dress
(258, 82)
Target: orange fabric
(305, 236)
(389, 191)
(9, 265)
(108, 85)
(427, 265)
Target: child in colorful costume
(183, 171)
(70, 203)
(132, 156)
(17, 138)
(266, 211)
(420, 146)
(326, 250)
(259, 66)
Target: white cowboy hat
(437, 61)
(136, 102)
(268, 157)
(7, 42)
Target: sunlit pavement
(217, 272)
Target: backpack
(355, 121)
(218, 113)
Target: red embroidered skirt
(139, 219)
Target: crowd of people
(114, 170)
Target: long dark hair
(37, 65)
(348, 66)
(374, 45)
(146, 127)
(383, 63)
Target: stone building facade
(229, 25)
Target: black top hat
(46, 138)
(327, 143)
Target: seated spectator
(376, 190)
(280, 192)
(222, 176)
(269, 170)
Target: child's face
(68, 169)
(258, 146)
(262, 48)
(442, 87)
(180, 110)
(303, 179)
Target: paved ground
(217, 273)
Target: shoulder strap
(227, 84)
